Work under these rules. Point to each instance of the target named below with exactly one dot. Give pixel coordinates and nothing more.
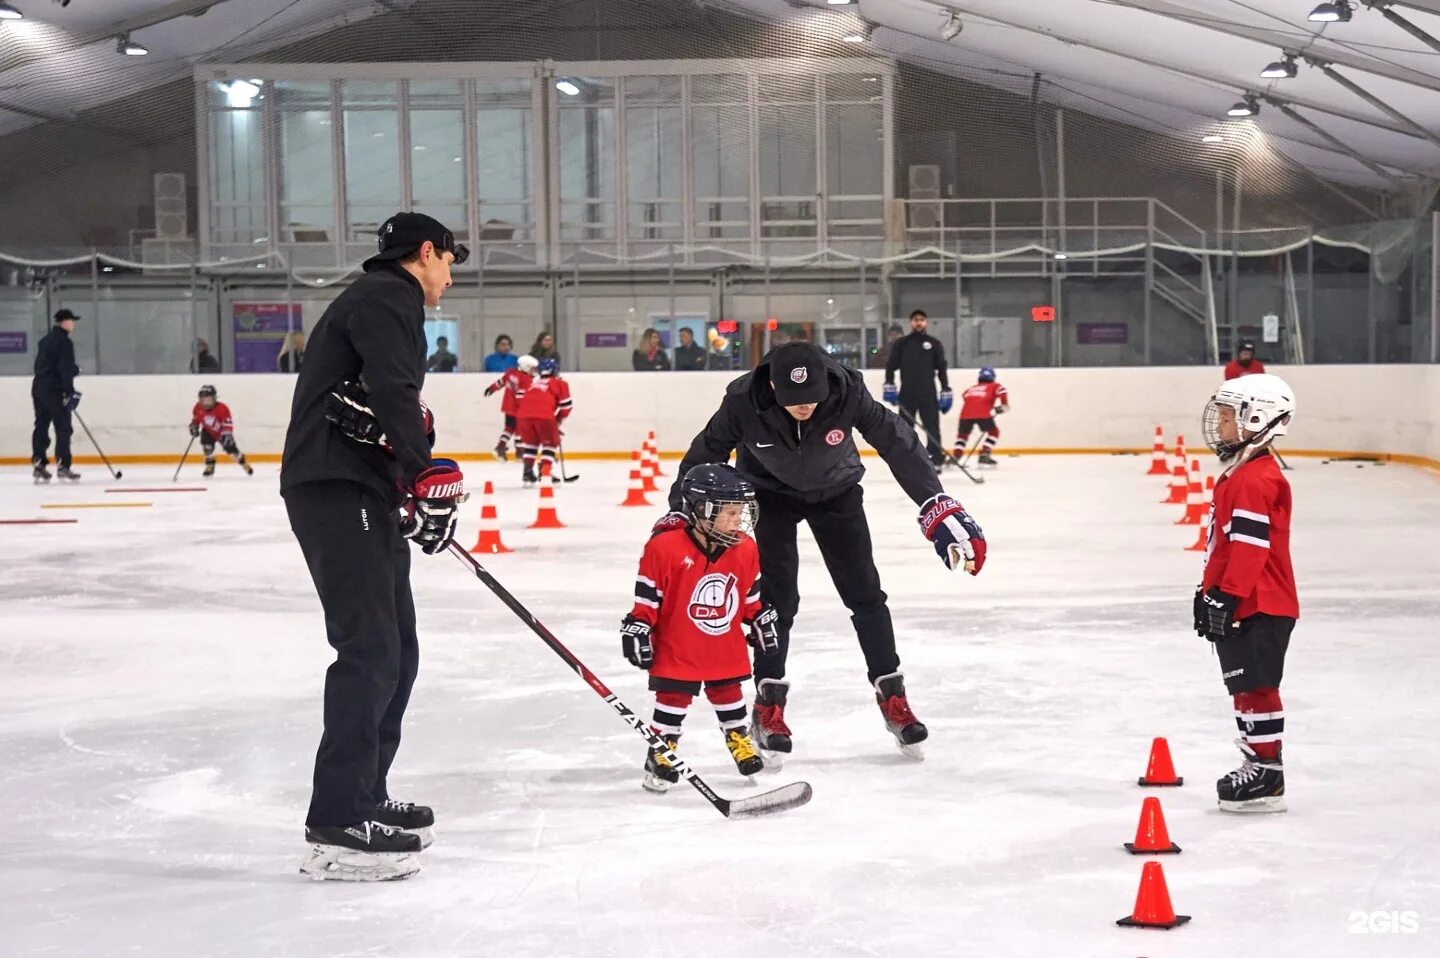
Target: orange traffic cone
(1194, 497)
(647, 471)
(654, 452)
(489, 541)
(546, 517)
(1203, 539)
(1151, 836)
(1152, 904)
(1160, 771)
(1158, 465)
(1179, 479)
(635, 496)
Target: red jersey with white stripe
(215, 420)
(547, 397)
(980, 400)
(1248, 551)
(514, 381)
(699, 608)
(1233, 369)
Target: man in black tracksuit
(791, 420)
(357, 449)
(920, 360)
(53, 395)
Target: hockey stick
(777, 800)
(560, 451)
(1280, 459)
(949, 459)
(185, 455)
(113, 471)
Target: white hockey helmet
(527, 363)
(1264, 407)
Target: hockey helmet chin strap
(1246, 449)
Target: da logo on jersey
(835, 437)
(714, 603)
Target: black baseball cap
(402, 234)
(797, 371)
(65, 314)
(1247, 345)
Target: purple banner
(1102, 334)
(14, 342)
(605, 340)
(260, 332)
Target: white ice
(160, 678)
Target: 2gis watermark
(1383, 922)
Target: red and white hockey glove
(433, 509)
(957, 538)
(670, 520)
(347, 407)
(765, 632)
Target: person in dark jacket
(689, 354)
(52, 392)
(919, 358)
(204, 361)
(650, 356)
(791, 420)
(357, 449)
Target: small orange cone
(546, 517)
(654, 452)
(1151, 836)
(1194, 497)
(489, 541)
(1158, 465)
(1160, 771)
(635, 496)
(1152, 904)
(1203, 540)
(1179, 478)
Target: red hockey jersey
(1248, 550)
(215, 420)
(699, 609)
(514, 381)
(1233, 369)
(980, 400)
(547, 397)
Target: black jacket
(373, 332)
(813, 460)
(920, 359)
(690, 357)
(55, 368)
(641, 362)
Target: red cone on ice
(1158, 464)
(654, 452)
(648, 469)
(1160, 771)
(1152, 903)
(1194, 497)
(489, 541)
(635, 495)
(1202, 541)
(546, 517)
(1179, 477)
(1151, 836)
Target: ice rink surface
(160, 678)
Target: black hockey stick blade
(777, 800)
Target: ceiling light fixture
(1339, 11)
(8, 12)
(239, 94)
(1212, 138)
(567, 87)
(858, 36)
(1249, 106)
(129, 47)
(839, 3)
(953, 26)
(1283, 69)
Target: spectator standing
(689, 354)
(292, 354)
(203, 362)
(442, 360)
(649, 356)
(503, 357)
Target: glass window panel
(787, 89)
(503, 151)
(504, 92)
(435, 93)
(660, 90)
(437, 161)
(369, 93)
(852, 87)
(237, 177)
(303, 94)
(372, 170)
(587, 161)
(654, 151)
(722, 88)
(307, 180)
(854, 150)
(787, 151)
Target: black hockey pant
(843, 536)
(361, 567)
(927, 408)
(50, 409)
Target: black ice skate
(366, 851)
(742, 750)
(40, 474)
(908, 730)
(769, 730)
(65, 472)
(987, 460)
(1258, 785)
(529, 478)
(209, 468)
(418, 820)
(659, 773)
(502, 453)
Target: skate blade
(915, 751)
(426, 835)
(1255, 806)
(654, 784)
(774, 761)
(329, 863)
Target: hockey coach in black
(791, 421)
(919, 358)
(360, 484)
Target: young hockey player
(696, 595)
(1244, 363)
(980, 404)
(1246, 603)
(514, 381)
(542, 408)
(210, 420)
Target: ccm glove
(635, 642)
(765, 632)
(1219, 608)
(347, 407)
(670, 520)
(432, 511)
(957, 538)
(72, 399)
(890, 394)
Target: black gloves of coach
(347, 406)
(1215, 614)
(765, 632)
(635, 642)
(72, 401)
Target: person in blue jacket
(503, 357)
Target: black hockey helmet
(710, 487)
(207, 391)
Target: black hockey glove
(194, 429)
(431, 513)
(1202, 619)
(635, 642)
(347, 407)
(72, 401)
(491, 389)
(765, 632)
(1219, 610)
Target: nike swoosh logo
(763, 445)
